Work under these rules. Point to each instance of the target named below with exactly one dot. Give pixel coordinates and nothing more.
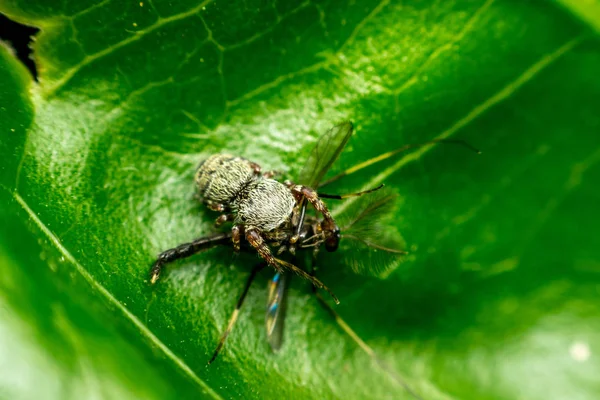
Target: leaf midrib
(476, 112)
(145, 331)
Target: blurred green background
(498, 298)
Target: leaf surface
(498, 297)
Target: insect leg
(298, 221)
(224, 218)
(255, 239)
(236, 312)
(350, 332)
(345, 196)
(186, 250)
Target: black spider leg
(350, 332)
(236, 312)
(186, 250)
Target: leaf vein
(71, 72)
(311, 68)
(87, 10)
(446, 46)
(259, 35)
(144, 330)
(475, 113)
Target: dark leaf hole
(19, 37)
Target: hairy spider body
(228, 183)
(264, 204)
(221, 178)
(264, 211)
(271, 214)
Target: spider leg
(186, 250)
(270, 174)
(255, 239)
(224, 218)
(216, 206)
(236, 233)
(258, 170)
(312, 197)
(256, 167)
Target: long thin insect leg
(350, 332)
(302, 217)
(186, 250)
(392, 153)
(236, 312)
(299, 225)
(345, 196)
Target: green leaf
(498, 298)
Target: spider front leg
(301, 191)
(255, 238)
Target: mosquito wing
(370, 246)
(368, 213)
(326, 151)
(276, 307)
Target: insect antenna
(345, 196)
(374, 210)
(389, 154)
(364, 228)
(361, 343)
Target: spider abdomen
(221, 177)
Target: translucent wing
(369, 213)
(370, 246)
(276, 307)
(326, 151)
